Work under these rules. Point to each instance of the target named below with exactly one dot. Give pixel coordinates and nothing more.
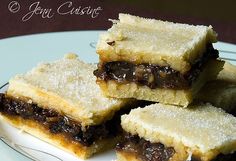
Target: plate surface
(20, 54)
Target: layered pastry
(60, 102)
(168, 133)
(222, 91)
(156, 60)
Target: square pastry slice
(222, 91)
(60, 102)
(169, 133)
(156, 60)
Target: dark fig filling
(147, 151)
(144, 149)
(56, 123)
(154, 76)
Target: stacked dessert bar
(155, 60)
(169, 133)
(167, 63)
(60, 103)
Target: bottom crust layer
(132, 90)
(123, 156)
(60, 141)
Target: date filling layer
(154, 76)
(56, 123)
(144, 149)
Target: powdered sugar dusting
(202, 126)
(166, 39)
(73, 80)
(154, 41)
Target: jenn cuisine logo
(66, 8)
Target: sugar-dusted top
(72, 81)
(201, 127)
(155, 41)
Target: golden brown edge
(58, 140)
(126, 156)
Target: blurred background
(21, 17)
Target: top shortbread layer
(68, 86)
(202, 128)
(141, 40)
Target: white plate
(20, 54)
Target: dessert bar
(60, 102)
(156, 60)
(169, 133)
